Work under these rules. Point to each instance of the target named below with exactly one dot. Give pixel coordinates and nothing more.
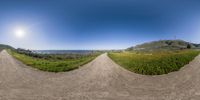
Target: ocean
(63, 51)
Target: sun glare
(20, 33)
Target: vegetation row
(53, 62)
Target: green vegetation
(154, 63)
(52, 62)
(164, 45)
(189, 46)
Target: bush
(189, 46)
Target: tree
(189, 46)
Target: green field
(155, 63)
(54, 63)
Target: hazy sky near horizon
(97, 24)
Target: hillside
(2, 46)
(164, 45)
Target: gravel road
(100, 79)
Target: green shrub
(189, 46)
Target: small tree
(189, 46)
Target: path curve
(100, 79)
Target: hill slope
(164, 45)
(2, 46)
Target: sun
(20, 32)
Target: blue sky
(97, 24)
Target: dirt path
(101, 79)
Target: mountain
(2, 46)
(164, 45)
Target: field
(53, 62)
(155, 63)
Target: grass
(155, 63)
(54, 64)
